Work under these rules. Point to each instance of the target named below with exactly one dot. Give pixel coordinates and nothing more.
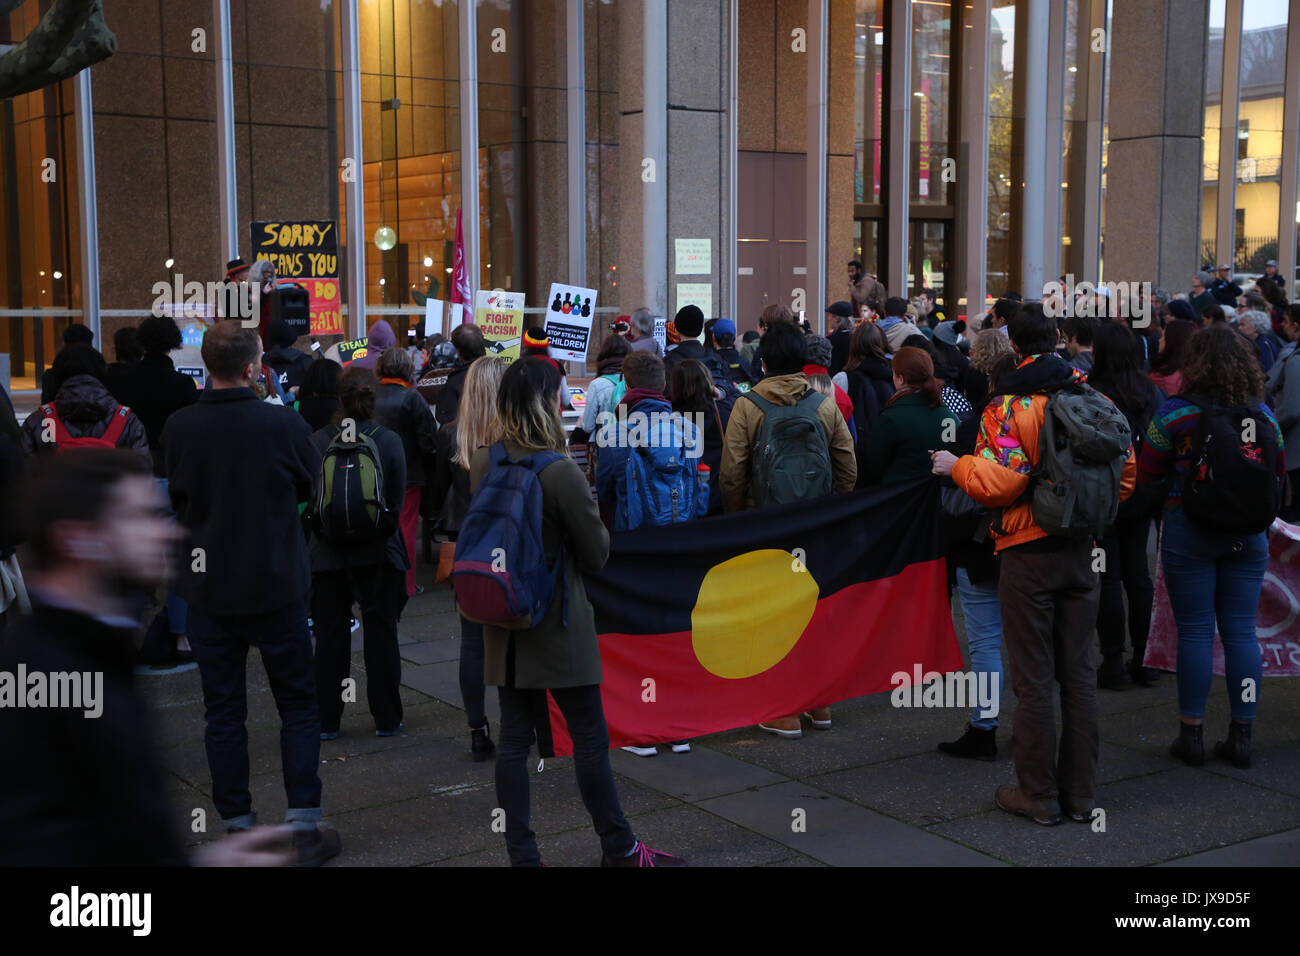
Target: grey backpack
(792, 459)
(1082, 446)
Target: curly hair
(989, 346)
(1223, 365)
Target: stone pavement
(874, 791)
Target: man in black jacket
(80, 784)
(689, 321)
(469, 344)
(238, 468)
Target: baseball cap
(1271, 262)
(1223, 267)
(724, 327)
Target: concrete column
(818, 17)
(1225, 228)
(469, 191)
(1035, 186)
(899, 144)
(88, 206)
(1289, 211)
(229, 211)
(1156, 118)
(973, 179)
(354, 186)
(1054, 153)
(1092, 69)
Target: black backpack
(1232, 485)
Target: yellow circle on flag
(750, 612)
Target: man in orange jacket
(1048, 587)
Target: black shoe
(1236, 748)
(1112, 674)
(317, 846)
(480, 743)
(1190, 745)
(1142, 676)
(976, 743)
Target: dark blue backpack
(663, 486)
(500, 572)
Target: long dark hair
(321, 380)
(1117, 373)
(691, 390)
(866, 342)
(1177, 334)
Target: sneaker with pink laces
(645, 856)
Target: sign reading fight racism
(307, 253)
(568, 321)
(499, 316)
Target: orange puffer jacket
(997, 474)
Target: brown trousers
(1049, 611)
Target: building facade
(731, 153)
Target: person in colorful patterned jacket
(1210, 575)
(1048, 589)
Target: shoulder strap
(118, 425)
(764, 405)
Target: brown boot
(783, 727)
(1013, 800)
(820, 717)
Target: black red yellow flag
(728, 621)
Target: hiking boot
(1080, 811)
(1190, 745)
(977, 744)
(480, 743)
(644, 856)
(1112, 674)
(316, 846)
(1012, 799)
(788, 727)
(648, 750)
(1236, 749)
(820, 717)
(1142, 676)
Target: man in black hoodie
(238, 468)
(80, 784)
(690, 323)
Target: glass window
(410, 109)
(931, 92)
(40, 232)
(1002, 258)
(1262, 69)
(600, 23)
(1210, 152)
(868, 101)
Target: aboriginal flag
(725, 622)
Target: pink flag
(460, 290)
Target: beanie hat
(674, 337)
(818, 350)
(689, 321)
(536, 340)
(842, 310)
(235, 267)
(948, 332)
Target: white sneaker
(681, 747)
(356, 625)
(648, 751)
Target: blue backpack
(500, 572)
(663, 486)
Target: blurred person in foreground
(80, 783)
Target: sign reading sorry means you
(307, 253)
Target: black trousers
(380, 590)
(1126, 571)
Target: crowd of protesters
(286, 518)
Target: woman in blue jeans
(1210, 575)
(561, 654)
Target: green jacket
(898, 448)
(551, 655)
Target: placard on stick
(568, 321)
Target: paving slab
(1276, 849)
(695, 776)
(839, 832)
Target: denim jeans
(1126, 572)
(983, 613)
(378, 590)
(585, 717)
(472, 690)
(177, 608)
(221, 648)
(1214, 576)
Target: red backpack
(64, 440)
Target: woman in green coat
(914, 423)
(565, 660)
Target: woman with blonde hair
(561, 654)
(988, 349)
(475, 426)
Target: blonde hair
(989, 346)
(822, 383)
(477, 422)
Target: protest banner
(568, 321)
(499, 315)
(1277, 623)
(306, 252)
